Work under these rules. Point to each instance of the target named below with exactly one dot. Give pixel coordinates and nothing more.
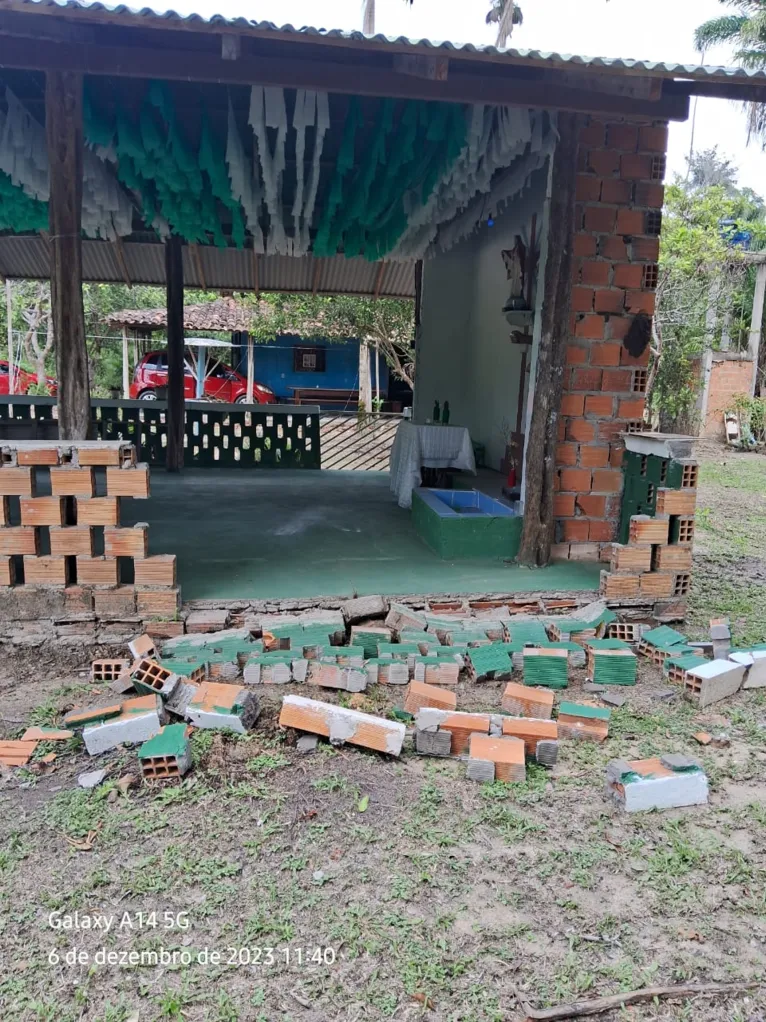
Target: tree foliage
(705, 287)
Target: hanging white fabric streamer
(303, 241)
(107, 211)
(267, 110)
(245, 182)
(496, 137)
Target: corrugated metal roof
(27, 256)
(566, 60)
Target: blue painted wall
(274, 367)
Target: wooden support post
(125, 365)
(756, 324)
(174, 278)
(538, 529)
(64, 132)
(9, 324)
(250, 368)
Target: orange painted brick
(618, 327)
(650, 194)
(644, 529)
(105, 456)
(590, 327)
(628, 275)
(132, 542)
(623, 136)
(16, 482)
(115, 603)
(16, 753)
(631, 559)
(673, 558)
(595, 273)
(656, 584)
(584, 245)
(585, 379)
(636, 168)
(653, 138)
(530, 731)
(605, 354)
(617, 380)
(19, 540)
(71, 540)
(609, 300)
(506, 753)
(583, 727)
(610, 429)
(159, 570)
(580, 430)
(97, 571)
(592, 505)
(618, 587)
(640, 301)
(46, 571)
(614, 248)
(592, 456)
(599, 404)
(7, 571)
(566, 454)
(603, 162)
(602, 531)
(158, 603)
(600, 219)
(575, 530)
(645, 250)
(5, 511)
(527, 701)
(593, 134)
(606, 480)
(616, 456)
(41, 510)
(128, 482)
(575, 479)
(67, 481)
(572, 404)
(461, 726)
(37, 456)
(420, 695)
(627, 359)
(336, 722)
(632, 408)
(98, 511)
(564, 505)
(588, 188)
(630, 221)
(615, 191)
(576, 355)
(676, 502)
(582, 299)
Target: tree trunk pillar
(540, 468)
(64, 131)
(174, 277)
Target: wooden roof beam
(119, 251)
(317, 275)
(199, 269)
(352, 79)
(379, 280)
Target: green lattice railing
(229, 436)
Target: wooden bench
(327, 396)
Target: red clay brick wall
(621, 166)
(728, 378)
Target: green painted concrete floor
(279, 534)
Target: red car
(23, 380)
(222, 383)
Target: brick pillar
(616, 247)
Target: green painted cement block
(463, 536)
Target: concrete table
(416, 447)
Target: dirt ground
(342, 887)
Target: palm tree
(746, 30)
(506, 13)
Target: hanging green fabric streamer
(19, 212)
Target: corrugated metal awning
(230, 269)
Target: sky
(650, 30)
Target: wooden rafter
(198, 267)
(119, 251)
(256, 274)
(379, 280)
(317, 275)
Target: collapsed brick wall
(730, 376)
(616, 248)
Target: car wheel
(242, 400)
(147, 395)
